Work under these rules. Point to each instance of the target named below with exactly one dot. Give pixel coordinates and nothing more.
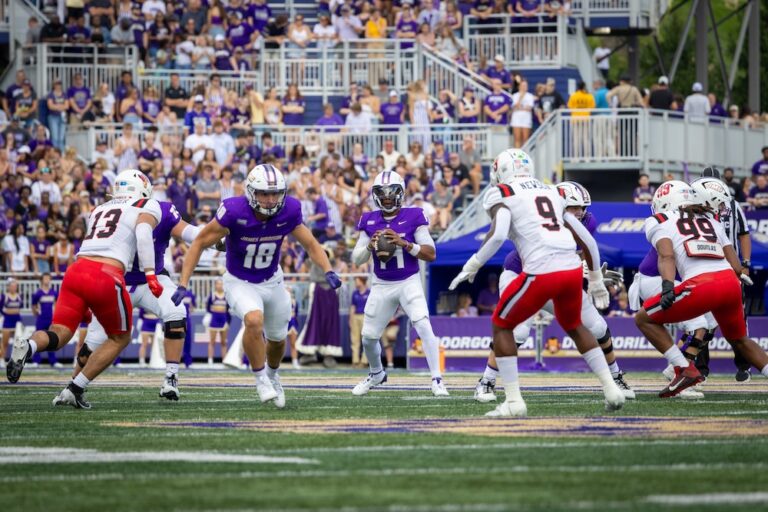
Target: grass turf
(462, 462)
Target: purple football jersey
(650, 264)
(253, 245)
(162, 237)
(402, 265)
(515, 264)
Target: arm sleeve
(145, 246)
(584, 238)
(360, 253)
(423, 237)
(189, 233)
(500, 233)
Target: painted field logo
(527, 427)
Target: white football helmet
(672, 195)
(268, 179)
(511, 164)
(574, 194)
(713, 193)
(131, 184)
(388, 191)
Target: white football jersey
(111, 229)
(698, 241)
(538, 231)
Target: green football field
(397, 449)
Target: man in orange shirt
(581, 102)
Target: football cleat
(71, 396)
(629, 393)
(507, 409)
(369, 382)
(20, 354)
(614, 398)
(691, 394)
(265, 389)
(170, 389)
(485, 391)
(743, 375)
(684, 379)
(280, 400)
(438, 387)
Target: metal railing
(46, 62)
(640, 139)
(200, 285)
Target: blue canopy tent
(620, 236)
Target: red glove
(154, 285)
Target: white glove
(597, 289)
(468, 273)
(746, 279)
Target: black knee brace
(171, 334)
(82, 356)
(53, 341)
(605, 339)
(709, 335)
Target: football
(384, 249)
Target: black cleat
(741, 375)
(74, 396)
(20, 354)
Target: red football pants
(527, 294)
(96, 286)
(718, 292)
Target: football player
(692, 242)
(117, 229)
(533, 215)
(255, 226)
(173, 316)
(396, 280)
(577, 200)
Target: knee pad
(175, 329)
(53, 341)
(82, 356)
(606, 337)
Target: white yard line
(718, 498)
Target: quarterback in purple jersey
(173, 316)
(577, 200)
(396, 281)
(254, 227)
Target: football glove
(468, 273)
(611, 277)
(667, 294)
(333, 280)
(746, 279)
(597, 290)
(178, 295)
(154, 285)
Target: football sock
(33, 346)
(259, 372)
(614, 367)
(764, 371)
(372, 350)
(171, 369)
(675, 357)
(271, 372)
(430, 345)
(596, 361)
(81, 381)
(490, 372)
(508, 372)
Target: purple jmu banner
(467, 340)
(757, 221)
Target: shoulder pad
(661, 217)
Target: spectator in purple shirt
(126, 84)
(180, 194)
(78, 33)
(497, 104)
(392, 113)
(643, 194)
(79, 100)
(196, 112)
(319, 219)
(259, 15)
(268, 147)
(13, 92)
(239, 32)
(293, 106)
(240, 62)
(151, 105)
(497, 71)
(761, 166)
(489, 296)
(222, 58)
(40, 142)
(150, 158)
(407, 28)
(758, 194)
(329, 120)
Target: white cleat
(629, 393)
(170, 389)
(614, 398)
(669, 372)
(265, 389)
(69, 397)
(438, 387)
(485, 391)
(507, 409)
(280, 400)
(372, 380)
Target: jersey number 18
(259, 255)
